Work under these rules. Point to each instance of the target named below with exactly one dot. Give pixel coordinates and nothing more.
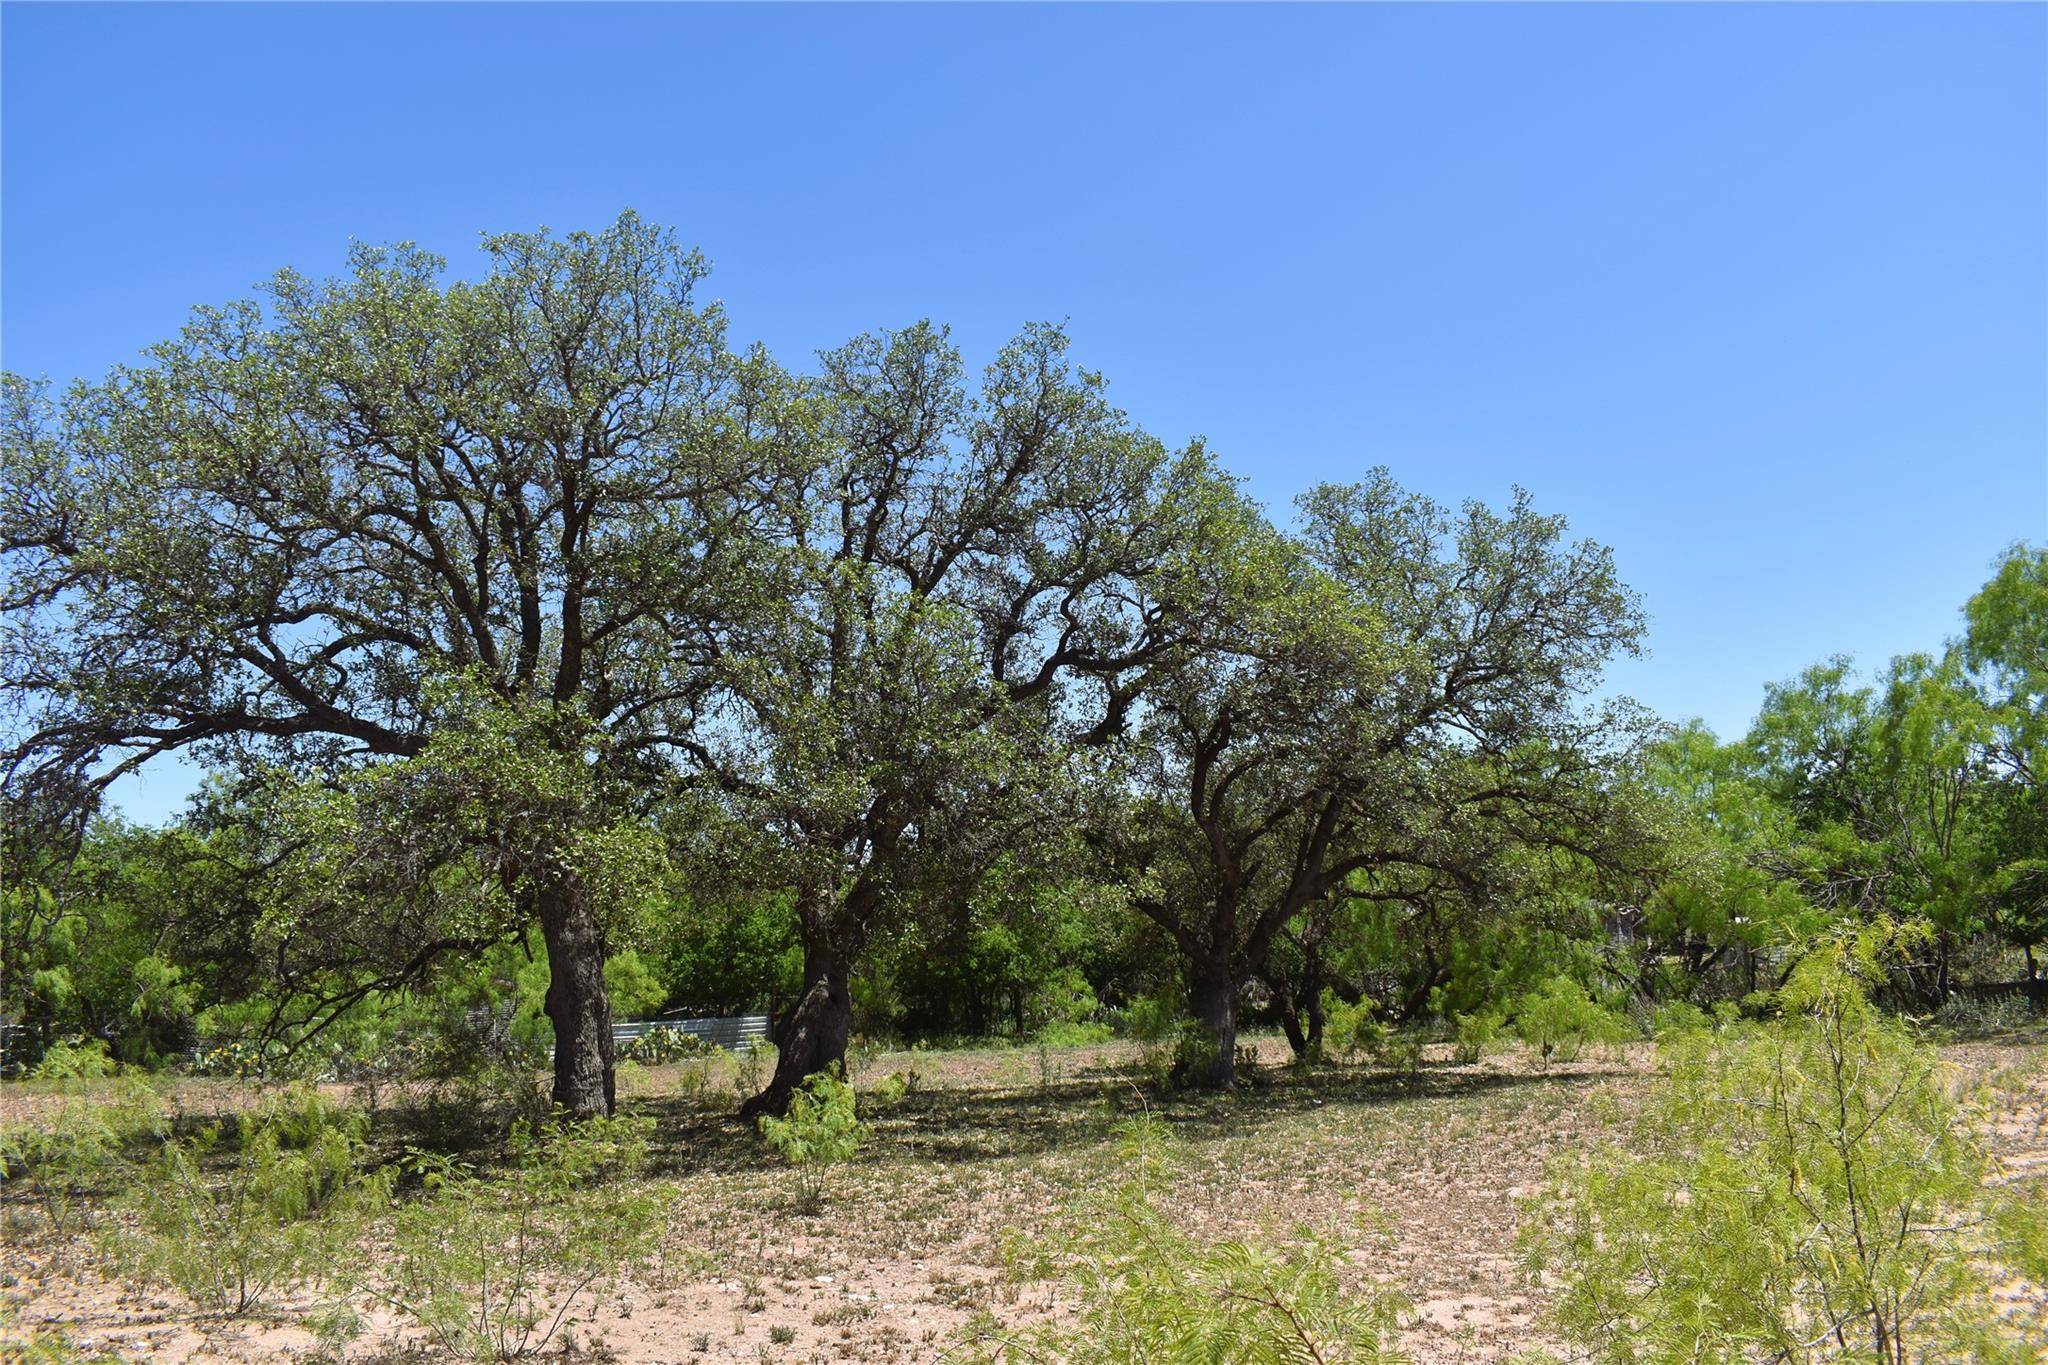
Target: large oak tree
(979, 596)
(1388, 704)
(354, 527)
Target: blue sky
(1756, 295)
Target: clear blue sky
(1757, 295)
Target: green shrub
(1050, 1072)
(1194, 1049)
(1677, 1017)
(750, 1064)
(1559, 1018)
(75, 1152)
(490, 1266)
(1808, 1189)
(1151, 1294)
(861, 1053)
(276, 1212)
(1357, 1031)
(1967, 1016)
(1071, 1033)
(1472, 1034)
(1153, 1018)
(820, 1130)
(24, 1345)
(75, 1059)
(236, 1058)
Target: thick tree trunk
(1291, 1024)
(1212, 1001)
(1302, 1018)
(577, 1003)
(812, 1034)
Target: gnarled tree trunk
(577, 1003)
(812, 1034)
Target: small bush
(1152, 1294)
(861, 1053)
(235, 1058)
(75, 1059)
(1560, 1018)
(1153, 1018)
(279, 1214)
(1804, 1190)
(1967, 1016)
(820, 1130)
(1194, 1050)
(25, 1345)
(489, 1267)
(1050, 1072)
(1070, 1033)
(750, 1064)
(1472, 1034)
(68, 1160)
(1357, 1031)
(1679, 1017)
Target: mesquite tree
(978, 598)
(312, 535)
(1387, 706)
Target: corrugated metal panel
(732, 1034)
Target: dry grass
(928, 1232)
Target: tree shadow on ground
(971, 1123)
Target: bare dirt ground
(989, 1159)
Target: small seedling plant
(491, 1266)
(821, 1130)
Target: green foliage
(1560, 1018)
(83, 935)
(749, 1064)
(724, 956)
(1154, 1018)
(1472, 1034)
(1808, 1189)
(1153, 1294)
(661, 1046)
(820, 1130)
(77, 1149)
(43, 1345)
(1679, 1017)
(227, 1229)
(1357, 748)
(1191, 1053)
(74, 1060)
(1357, 1031)
(489, 1266)
(1064, 1033)
(1021, 953)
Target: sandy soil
(988, 1159)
